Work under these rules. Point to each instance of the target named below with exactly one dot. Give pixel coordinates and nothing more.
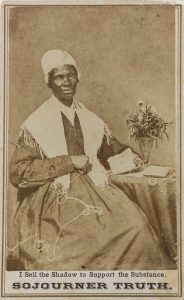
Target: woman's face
(63, 82)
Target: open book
(124, 163)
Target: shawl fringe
(30, 141)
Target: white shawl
(46, 127)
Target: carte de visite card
(91, 92)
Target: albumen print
(92, 122)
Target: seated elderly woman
(69, 216)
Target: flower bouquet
(145, 126)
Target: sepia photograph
(92, 128)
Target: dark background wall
(124, 54)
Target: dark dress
(93, 229)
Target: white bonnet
(55, 58)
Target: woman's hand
(81, 163)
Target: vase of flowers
(146, 126)
(145, 146)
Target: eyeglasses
(69, 76)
